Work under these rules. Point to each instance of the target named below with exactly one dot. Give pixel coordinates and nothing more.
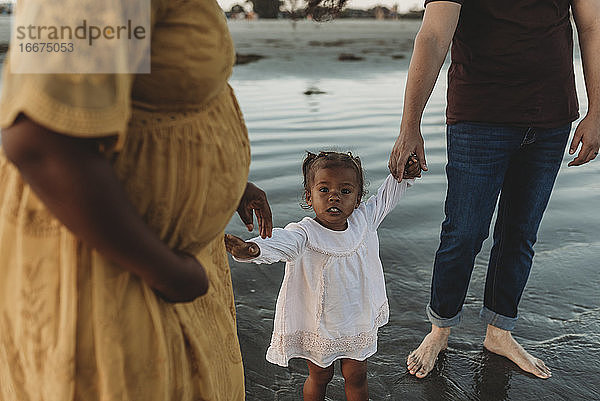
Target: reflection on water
(491, 377)
(560, 310)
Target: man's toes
(424, 371)
(543, 369)
(414, 368)
(412, 358)
(413, 365)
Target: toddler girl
(332, 300)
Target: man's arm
(587, 20)
(431, 47)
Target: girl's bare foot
(421, 361)
(501, 342)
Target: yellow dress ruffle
(75, 326)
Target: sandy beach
(311, 49)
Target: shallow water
(360, 111)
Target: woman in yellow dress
(114, 193)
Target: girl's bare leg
(316, 382)
(355, 377)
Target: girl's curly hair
(312, 162)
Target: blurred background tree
(266, 8)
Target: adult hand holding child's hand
(405, 146)
(412, 169)
(241, 249)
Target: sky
(403, 5)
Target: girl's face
(334, 196)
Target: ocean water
(360, 111)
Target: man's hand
(588, 134)
(405, 146)
(255, 199)
(241, 249)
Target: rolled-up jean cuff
(497, 320)
(439, 321)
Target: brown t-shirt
(512, 64)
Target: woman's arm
(80, 187)
(431, 46)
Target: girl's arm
(388, 195)
(79, 186)
(286, 245)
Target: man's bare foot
(421, 361)
(501, 342)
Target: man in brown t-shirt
(511, 102)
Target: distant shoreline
(4, 32)
(339, 48)
(374, 13)
(269, 48)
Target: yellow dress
(74, 325)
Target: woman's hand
(255, 199)
(241, 249)
(187, 282)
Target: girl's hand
(255, 199)
(241, 249)
(412, 169)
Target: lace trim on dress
(314, 248)
(316, 344)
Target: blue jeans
(484, 161)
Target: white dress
(332, 300)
